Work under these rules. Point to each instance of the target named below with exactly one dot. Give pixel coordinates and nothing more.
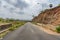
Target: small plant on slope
(58, 29)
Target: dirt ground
(47, 30)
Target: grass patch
(34, 22)
(3, 34)
(12, 28)
(16, 25)
(58, 29)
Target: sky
(24, 9)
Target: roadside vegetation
(15, 24)
(58, 29)
(3, 34)
(34, 23)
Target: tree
(58, 4)
(50, 5)
(33, 15)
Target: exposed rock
(49, 16)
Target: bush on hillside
(58, 29)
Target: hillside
(49, 16)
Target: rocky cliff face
(49, 16)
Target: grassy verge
(58, 29)
(34, 23)
(15, 25)
(3, 34)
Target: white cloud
(43, 1)
(6, 12)
(31, 6)
(13, 1)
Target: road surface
(29, 32)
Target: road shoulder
(47, 30)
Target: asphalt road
(29, 32)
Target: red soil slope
(49, 16)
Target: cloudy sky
(24, 9)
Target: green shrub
(58, 29)
(12, 29)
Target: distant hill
(49, 16)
